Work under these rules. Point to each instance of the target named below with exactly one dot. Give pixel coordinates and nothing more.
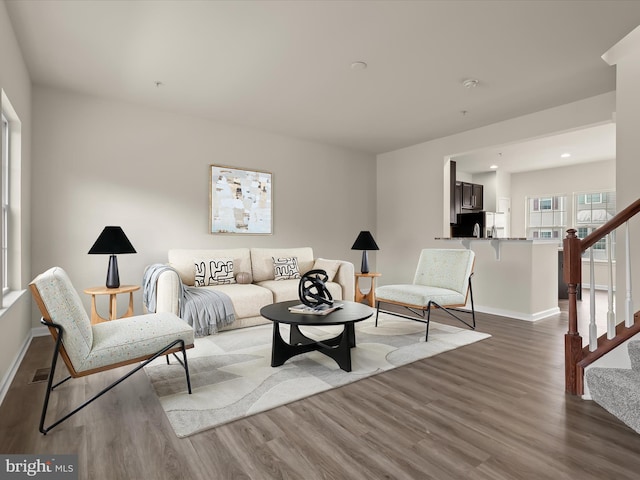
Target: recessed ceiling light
(359, 66)
(493, 167)
(565, 155)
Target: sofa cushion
(144, 335)
(262, 261)
(335, 289)
(66, 309)
(329, 266)
(217, 271)
(247, 299)
(286, 290)
(183, 260)
(445, 268)
(420, 295)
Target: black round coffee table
(338, 348)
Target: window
(545, 203)
(4, 244)
(592, 211)
(547, 217)
(589, 198)
(10, 218)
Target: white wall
(594, 176)
(489, 182)
(626, 58)
(503, 187)
(15, 321)
(464, 177)
(413, 200)
(99, 162)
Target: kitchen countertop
(496, 242)
(493, 238)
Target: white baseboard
(586, 287)
(533, 317)
(40, 331)
(5, 383)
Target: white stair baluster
(593, 328)
(628, 321)
(611, 316)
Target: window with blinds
(593, 210)
(547, 217)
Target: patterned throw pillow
(214, 272)
(285, 268)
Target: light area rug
(232, 377)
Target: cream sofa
(248, 299)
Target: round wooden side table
(370, 296)
(113, 305)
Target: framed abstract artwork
(240, 201)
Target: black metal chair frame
(426, 311)
(59, 348)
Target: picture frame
(240, 201)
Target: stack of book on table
(323, 309)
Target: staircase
(617, 390)
(577, 357)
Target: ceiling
(583, 146)
(286, 66)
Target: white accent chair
(442, 280)
(87, 349)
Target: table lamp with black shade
(112, 241)
(365, 242)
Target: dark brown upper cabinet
(472, 196)
(464, 196)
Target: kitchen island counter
(514, 277)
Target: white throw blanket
(204, 309)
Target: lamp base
(364, 268)
(113, 279)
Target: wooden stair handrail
(618, 219)
(577, 358)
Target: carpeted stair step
(634, 354)
(617, 390)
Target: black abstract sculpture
(312, 289)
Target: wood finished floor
(494, 410)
